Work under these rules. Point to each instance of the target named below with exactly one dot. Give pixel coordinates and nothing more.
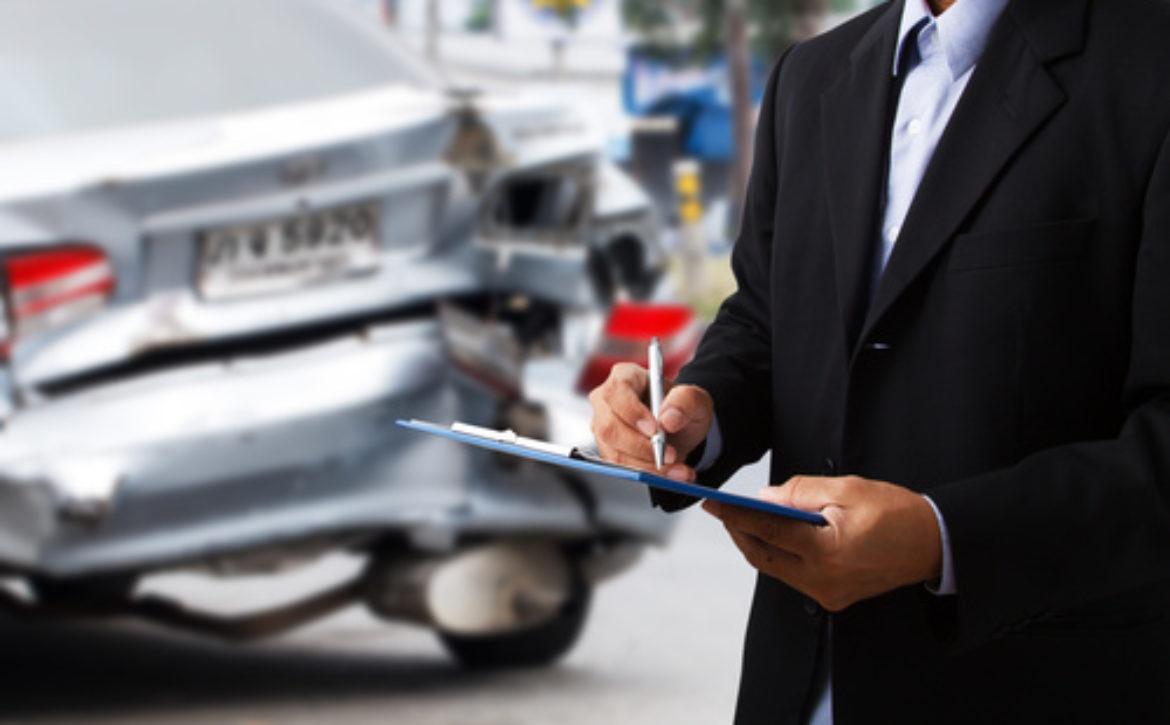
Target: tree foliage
(776, 24)
(567, 10)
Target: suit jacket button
(811, 608)
(829, 468)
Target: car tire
(539, 645)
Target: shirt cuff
(946, 582)
(714, 446)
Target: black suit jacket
(1014, 363)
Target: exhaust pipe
(488, 589)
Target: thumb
(685, 405)
(810, 493)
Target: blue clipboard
(507, 442)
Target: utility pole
(433, 30)
(741, 103)
(688, 191)
(558, 57)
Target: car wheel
(530, 647)
(98, 592)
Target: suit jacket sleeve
(733, 361)
(1078, 523)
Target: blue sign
(697, 96)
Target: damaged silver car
(238, 240)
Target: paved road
(662, 646)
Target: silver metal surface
(171, 431)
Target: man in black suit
(958, 349)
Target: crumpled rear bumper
(216, 459)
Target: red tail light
(5, 342)
(627, 336)
(48, 288)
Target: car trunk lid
(162, 209)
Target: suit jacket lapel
(1009, 97)
(852, 116)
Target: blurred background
(240, 239)
(674, 86)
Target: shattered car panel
(209, 324)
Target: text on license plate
(290, 253)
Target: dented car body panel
(171, 423)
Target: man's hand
(623, 424)
(880, 537)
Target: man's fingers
(677, 472)
(683, 405)
(612, 434)
(623, 393)
(788, 534)
(810, 493)
(623, 424)
(783, 565)
(620, 420)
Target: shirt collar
(962, 30)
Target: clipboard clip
(510, 437)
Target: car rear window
(74, 65)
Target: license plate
(282, 255)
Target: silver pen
(658, 440)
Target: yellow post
(688, 188)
